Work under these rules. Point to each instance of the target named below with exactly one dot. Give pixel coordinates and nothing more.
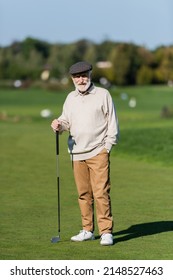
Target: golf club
(56, 239)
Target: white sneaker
(106, 239)
(83, 236)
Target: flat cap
(80, 67)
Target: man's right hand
(56, 125)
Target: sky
(143, 22)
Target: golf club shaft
(58, 180)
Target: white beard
(83, 87)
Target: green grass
(141, 175)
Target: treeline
(117, 63)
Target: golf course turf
(141, 179)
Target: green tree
(125, 60)
(131, 64)
(144, 75)
(164, 61)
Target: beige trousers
(93, 184)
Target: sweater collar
(91, 89)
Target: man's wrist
(108, 147)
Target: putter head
(55, 239)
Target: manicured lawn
(141, 175)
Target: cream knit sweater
(92, 122)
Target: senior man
(89, 115)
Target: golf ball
(46, 113)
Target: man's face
(82, 81)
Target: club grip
(57, 142)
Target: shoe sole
(92, 238)
(106, 244)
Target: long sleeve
(64, 117)
(113, 126)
